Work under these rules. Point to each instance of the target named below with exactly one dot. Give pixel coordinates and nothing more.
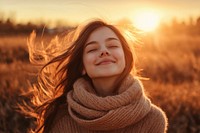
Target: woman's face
(103, 54)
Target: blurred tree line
(191, 28)
(9, 27)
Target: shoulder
(158, 120)
(158, 113)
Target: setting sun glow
(146, 21)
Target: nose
(104, 52)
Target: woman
(92, 87)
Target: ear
(83, 72)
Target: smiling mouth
(105, 62)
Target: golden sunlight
(146, 20)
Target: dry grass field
(172, 64)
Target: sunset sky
(76, 11)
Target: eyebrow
(108, 39)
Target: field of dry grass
(172, 64)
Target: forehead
(101, 34)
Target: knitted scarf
(93, 112)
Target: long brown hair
(56, 78)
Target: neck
(104, 86)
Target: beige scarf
(108, 113)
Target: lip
(105, 62)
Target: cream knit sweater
(130, 111)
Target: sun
(146, 20)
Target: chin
(106, 75)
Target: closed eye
(91, 50)
(113, 46)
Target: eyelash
(92, 50)
(113, 46)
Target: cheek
(119, 54)
(121, 58)
(88, 61)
